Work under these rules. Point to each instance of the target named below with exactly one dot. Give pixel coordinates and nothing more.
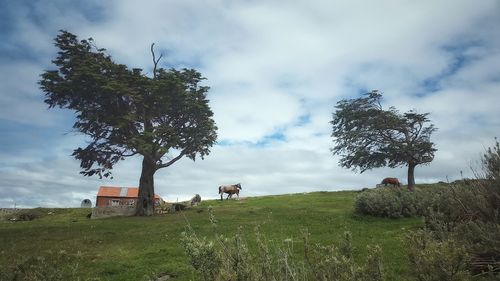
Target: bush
(397, 203)
(232, 259)
(435, 260)
(473, 226)
(463, 222)
(462, 219)
(333, 262)
(202, 255)
(25, 215)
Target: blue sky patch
(459, 59)
(303, 120)
(17, 137)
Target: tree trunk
(411, 176)
(145, 202)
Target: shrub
(25, 215)
(462, 219)
(491, 163)
(437, 260)
(231, 259)
(464, 222)
(202, 254)
(334, 262)
(397, 203)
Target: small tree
(126, 113)
(367, 136)
(491, 162)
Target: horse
(393, 181)
(230, 190)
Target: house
(120, 196)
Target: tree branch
(417, 133)
(131, 154)
(155, 61)
(172, 161)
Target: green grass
(137, 248)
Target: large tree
(366, 136)
(161, 117)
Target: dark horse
(393, 181)
(230, 190)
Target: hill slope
(141, 248)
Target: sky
(276, 70)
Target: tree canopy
(366, 136)
(124, 112)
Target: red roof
(122, 192)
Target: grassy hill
(131, 248)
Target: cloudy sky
(276, 70)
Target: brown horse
(393, 181)
(230, 190)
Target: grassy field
(132, 248)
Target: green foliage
(230, 259)
(473, 200)
(126, 113)
(437, 260)
(463, 228)
(482, 242)
(334, 262)
(472, 215)
(202, 254)
(367, 136)
(462, 234)
(397, 203)
(491, 162)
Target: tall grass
(229, 258)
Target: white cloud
(20, 99)
(275, 68)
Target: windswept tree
(161, 117)
(366, 136)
